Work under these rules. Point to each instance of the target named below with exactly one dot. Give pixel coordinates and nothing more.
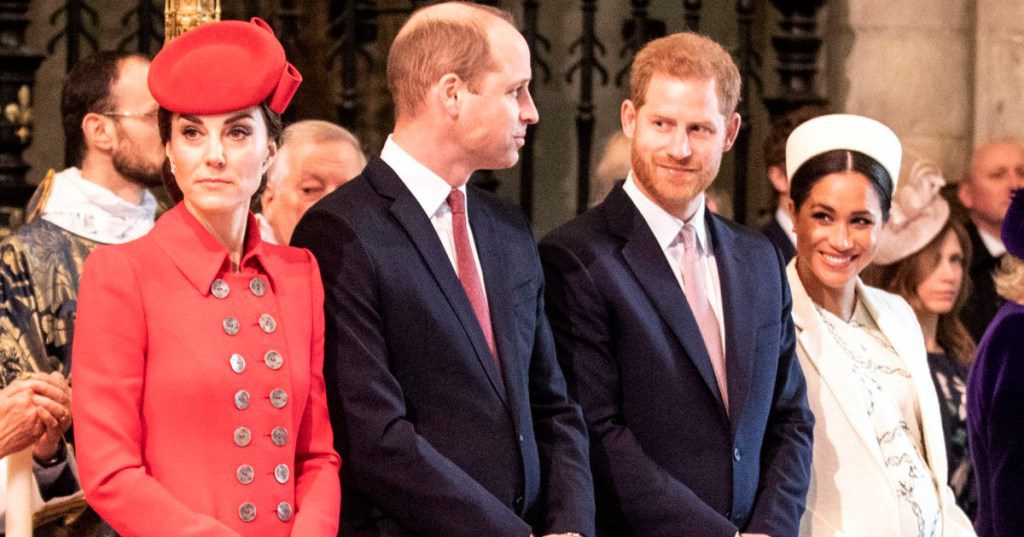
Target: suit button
(245, 474)
(247, 512)
(242, 400)
(518, 503)
(521, 439)
(231, 326)
(267, 323)
(278, 398)
(237, 363)
(281, 473)
(273, 359)
(279, 436)
(219, 288)
(284, 511)
(736, 454)
(242, 437)
(257, 286)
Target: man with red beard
(673, 324)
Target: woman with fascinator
(995, 394)
(204, 412)
(922, 256)
(879, 460)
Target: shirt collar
(786, 223)
(197, 254)
(429, 189)
(992, 243)
(666, 227)
(91, 211)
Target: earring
(172, 168)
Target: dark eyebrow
(822, 206)
(240, 116)
(190, 118)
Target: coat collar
(901, 330)
(197, 254)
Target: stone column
(999, 70)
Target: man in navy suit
(447, 402)
(673, 324)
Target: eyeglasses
(140, 115)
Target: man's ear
(732, 130)
(627, 116)
(98, 132)
(964, 193)
(777, 176)
(449, 91)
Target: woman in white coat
(879, 465)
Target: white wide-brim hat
(844, 131)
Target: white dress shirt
(432, 194)
(992, 243)
(666, 228)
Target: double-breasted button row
(272, 358)
(220, 289)
(247, 512)
(232, 326)
(245, 473)
(278, 399)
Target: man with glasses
(110, 132)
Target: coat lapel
(737, 284)
(409, 214)
(908, 340)
(646, 259)
(827, 358)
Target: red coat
(174, 436)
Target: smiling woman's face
(837, 229)
(219, 160)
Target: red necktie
(465, 265)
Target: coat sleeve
(317, 486)
(385, 458)
(787, 449)
(561, 438)
(1004, 367)
(647, 494)
(109, 362)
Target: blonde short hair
(429, 46)
(1010, 279)
(686, 55)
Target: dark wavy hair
(274, 129)
(839, 161)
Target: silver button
(241, 399)
(281, 473)
(279, 436)
(257, 286)
(278, 398)
(247, 512)
(273, 359)
(284, 511)
(230, 326)
(242, 437)
(237, 363)
(219, 288)
(267, 323)
(245, 474)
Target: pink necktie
(696, 295)
(465, 266)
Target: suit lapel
(646, 259)
(498, 280)
(409, 214)
(827, 358)
(737, 288)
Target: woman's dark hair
(88, 90)
(839, 161)
(903, 277)
(274, 129)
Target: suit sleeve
(786, 451)
(561, 438)
(109, 361)
(648, 496)
(385, 458)
(1004, 362)
(317, 489)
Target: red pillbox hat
(223, 66)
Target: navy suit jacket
(435, 438)
(667, 458)
(995, 423)
(983, 302)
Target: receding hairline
(463, 12)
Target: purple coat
(995, 422)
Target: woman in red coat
(199, 404)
